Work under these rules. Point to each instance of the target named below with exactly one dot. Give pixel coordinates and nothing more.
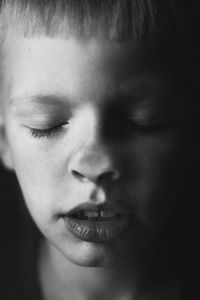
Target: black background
(15, 221)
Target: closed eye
(148, 127)
(48, 132)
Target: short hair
(115, 19)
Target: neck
(60, 277)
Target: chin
(111, 254)
(88, 254)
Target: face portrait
(93, 132)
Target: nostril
(78, 175)
(108, 176)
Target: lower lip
(98, 231)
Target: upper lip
(89, 207)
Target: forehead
(80, 68)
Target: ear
(5, 153)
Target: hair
(115, 19)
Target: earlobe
(5, 154)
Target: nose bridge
(93, 159)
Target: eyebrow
(35, 104)
(38, 99)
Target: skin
(121, 117)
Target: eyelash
(47, 133)
(155, 128)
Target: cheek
(38, 171)
(41, 169)
(150, 159)
(33, 169)
(157, 177)
(36, 180)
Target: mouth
(97, 225)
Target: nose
(93, 158)
(93, 164)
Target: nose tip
(93, 168)
(98, 177)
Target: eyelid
(145, 118)
(151, 123)
(47, 132)
(148, 121)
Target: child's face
(93, 122)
